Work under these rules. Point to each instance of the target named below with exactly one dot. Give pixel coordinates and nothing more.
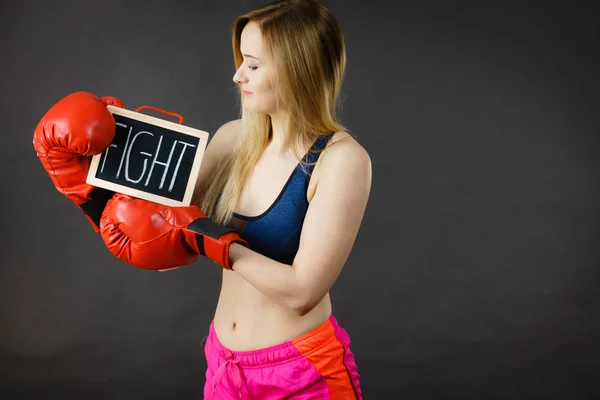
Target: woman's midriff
(245, 319)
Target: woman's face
(258, 94)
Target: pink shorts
(316, 365)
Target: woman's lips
(246, 93)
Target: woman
(273, 334)
(290, 62)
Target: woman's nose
(239, 77)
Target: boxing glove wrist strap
(219, 239)
(207, 227)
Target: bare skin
(264, 302)
(245, 318)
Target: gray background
(475, 273)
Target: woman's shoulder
(343, 147)
(219, 146)
(223, 141)
(225, 136)
(344, 160)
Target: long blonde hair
(304, 42)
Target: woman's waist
(250, 323)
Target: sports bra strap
(315, 151)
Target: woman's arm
(220, 144)
(328, 234)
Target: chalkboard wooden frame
(202, 137)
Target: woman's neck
(280, 142)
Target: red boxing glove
(74, 129)
(154, 236)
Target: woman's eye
(252, 68)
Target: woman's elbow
(303, 304)
(301, 311)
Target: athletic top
(276, 232)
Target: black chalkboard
(150, 158)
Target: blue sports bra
(276, 232)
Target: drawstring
(232, 364)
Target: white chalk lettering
(185, 145)
(151, 159)
(126, 143)
(164, 164)
(106, 156)
(129, 154)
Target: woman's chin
(254, 110)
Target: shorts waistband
(277, 354)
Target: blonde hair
(304, 42)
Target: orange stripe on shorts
(322, 349)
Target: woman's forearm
(275, 280)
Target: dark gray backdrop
(475, 273)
